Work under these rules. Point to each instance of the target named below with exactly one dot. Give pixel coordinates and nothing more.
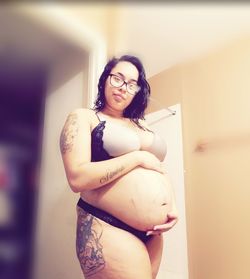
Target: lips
(118, 97)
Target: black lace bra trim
(98, 153)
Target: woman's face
(118, 98)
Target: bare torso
(141, 198)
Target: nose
(123, 88)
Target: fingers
(166, 226)
(158, 229)
(173, 215)
(150, 161)
(160, 167)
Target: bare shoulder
(76, 126)
(80, 114)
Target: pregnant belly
(141, 198)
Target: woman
(114, 161)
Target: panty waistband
(112, 220)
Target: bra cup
(118, 140)
(158, 147)
(111, 140)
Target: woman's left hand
(171, 221)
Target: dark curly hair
(136, 109)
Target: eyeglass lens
(118, 82)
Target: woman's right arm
(82, 174)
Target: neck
(111, 112)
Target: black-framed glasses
(116, 81)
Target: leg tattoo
(88, 247)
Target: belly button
(164, 203)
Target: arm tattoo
(69, 133)
(88, 246)
(110, 175)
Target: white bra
(119, 140)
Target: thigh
(155, 248)
(107, 252)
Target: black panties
(110, 219)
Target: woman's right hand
(148, 160)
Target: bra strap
(99, 117)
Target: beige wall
(214, 94)
(166, 88)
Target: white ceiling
(163, 35)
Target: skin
(99, 257)
(114, 107)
